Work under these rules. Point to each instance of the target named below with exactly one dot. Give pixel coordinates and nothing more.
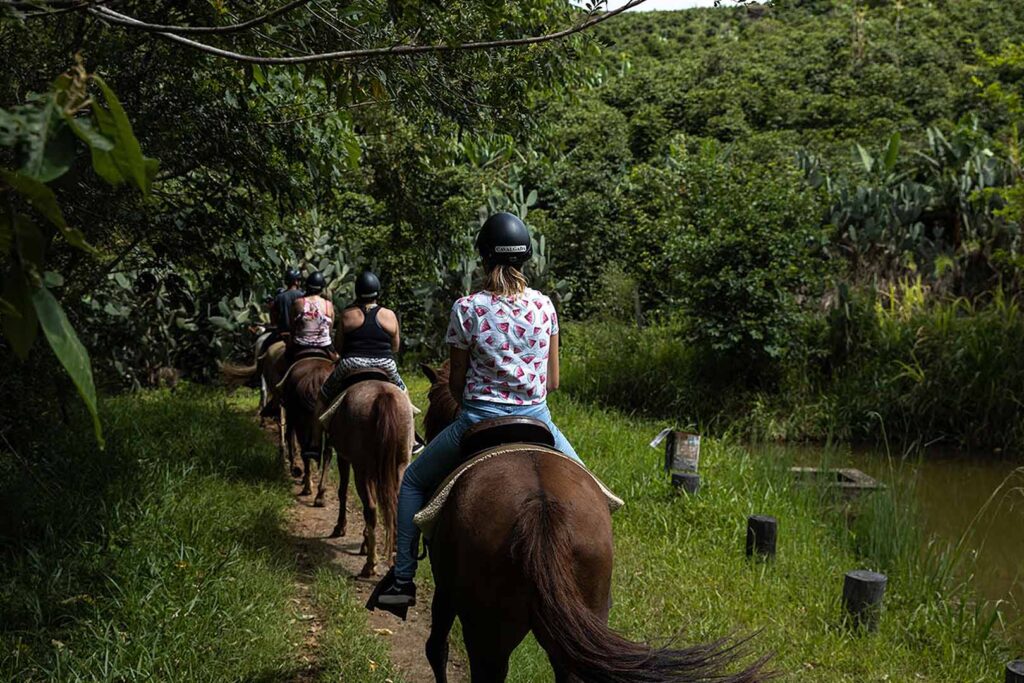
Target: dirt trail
(309, 528)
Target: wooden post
(686, 481)
(862, 597)
(1015, 671)
(762, 532)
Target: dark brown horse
(524, 544)
(373, 431)
(299, 399)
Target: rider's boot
(393, 595)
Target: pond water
(957, 494)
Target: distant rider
(369, 336)
(504, 360)
(312, 319)
(283, 303)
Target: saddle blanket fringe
(280, 385)
(427, 517)
(325, 417)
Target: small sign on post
(682, 457)
(682, 452)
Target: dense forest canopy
(750, 176)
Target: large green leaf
(44, 201)
(31, 244)
(69, 351)
(126, 156)
(20, 328)
(6, 234)
(7, 308)
(47, 147)
(88, 134)
(866, 159)
(52, 152)
(892, 153)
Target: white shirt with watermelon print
(508, 341)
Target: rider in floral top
(504, 361)
(509, 343)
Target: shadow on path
(308, 529)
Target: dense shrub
(743, 265)
(897, 365)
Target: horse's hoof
(318, 502)
(368, 571)
(338, 532)
(296, 472)
(305, 492)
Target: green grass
(348, 650)
(680, 567)
(166, 557)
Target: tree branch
(195, 30)
(346, 55)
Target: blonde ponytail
(505, 280)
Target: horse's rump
(488, 510)
(372, 429)
(525, 543)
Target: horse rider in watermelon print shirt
(504, 361)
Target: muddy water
(960, 496)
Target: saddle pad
(280, 385)
(325, 417)
(259, 358)
(426, 518)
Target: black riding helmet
(504, 240)
(367, 286)
(315, 282)
(291, 276)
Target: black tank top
(369, 340)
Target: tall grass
(950, 370)
(926, 370)
(165, 557)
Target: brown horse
(372, 430)
(269, 368)
(299, 395)
(524, 544)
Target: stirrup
(400, 611)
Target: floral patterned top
(508, 342)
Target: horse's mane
(443, 408)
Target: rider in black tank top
(369, 340)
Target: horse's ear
(430, 373)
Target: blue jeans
(440, 458)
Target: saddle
(350, 379)
(313, 352)
(320, 355)
(500, 437)
(505, 430)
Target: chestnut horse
(524, 543)
(373, 431)
(299, 396)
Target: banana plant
(46, 134)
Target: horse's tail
(235, 375)
(391, 443)
(563, 624)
